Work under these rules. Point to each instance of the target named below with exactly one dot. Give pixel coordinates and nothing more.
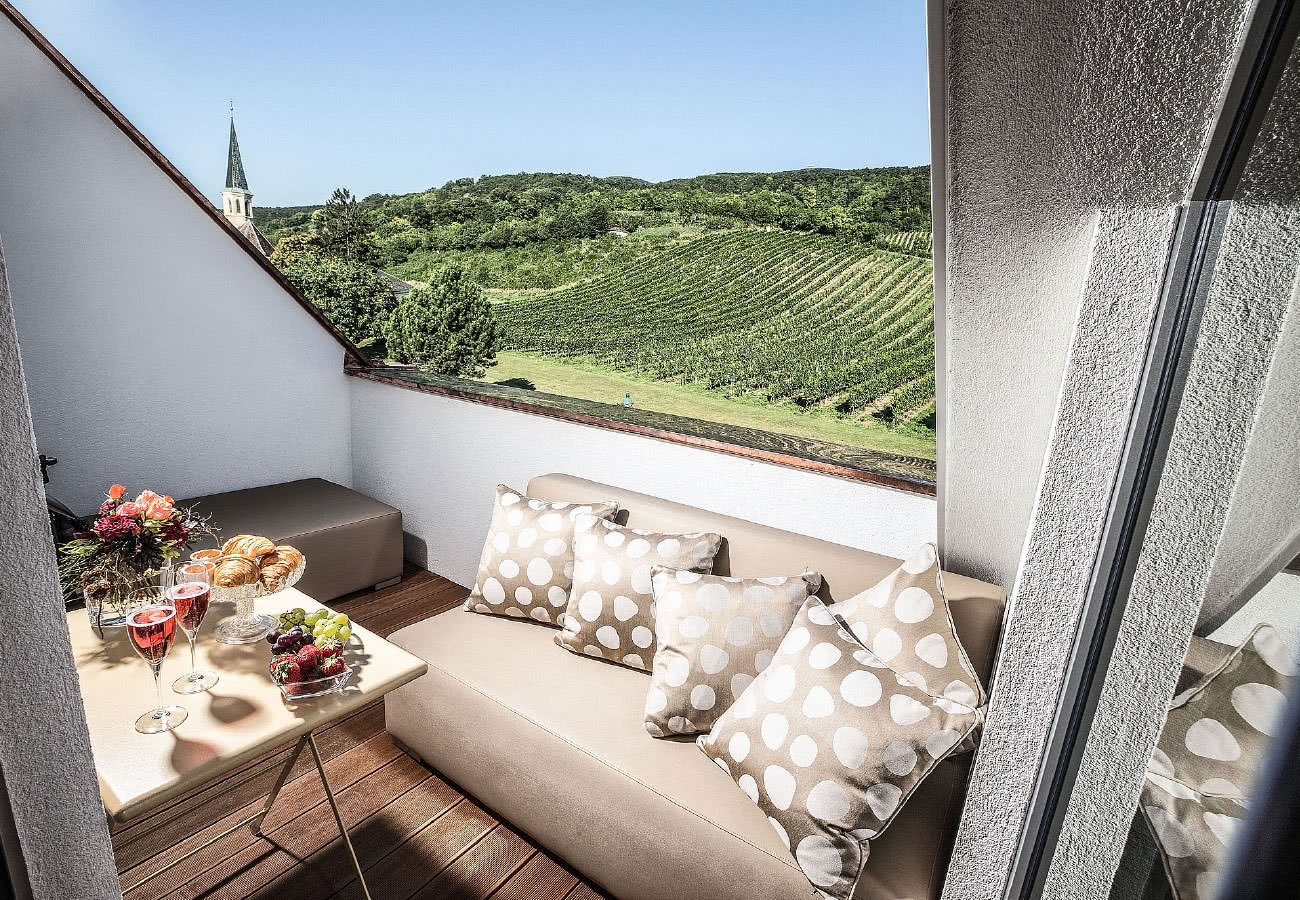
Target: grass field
(582, 378)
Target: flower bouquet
(129, 544)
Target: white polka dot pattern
(829, 744)
(521, 575)
(905, 620)
(613, 595)
(707, 638)
(1213, 742)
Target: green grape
(344, 632)
(340, 619)
(329, 631)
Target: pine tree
(446, 328)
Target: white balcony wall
(158, 353)
(439, 459)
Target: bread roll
(278, 566)
(247, 545)
(235, 571)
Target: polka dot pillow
(526, 568)
(1213, 742)
(714, 635)
(830, 743)
(905, 620)
(611, 611)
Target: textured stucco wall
(1239, 363)
(1073, 133)
(49, 774)
(1055, 110)
(1106, 359)
(158, 353)
(439, 459)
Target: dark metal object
(1261, 859)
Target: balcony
(1118, 337)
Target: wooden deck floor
(418, 837)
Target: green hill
(780, 316)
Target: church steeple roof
(235, 177)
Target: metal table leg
(255, 820)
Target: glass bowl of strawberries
(310, 670)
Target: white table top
(242, 717)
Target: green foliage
(501, 212)
(785, 317)
(343, 227)
(447, 328)
(355, 297)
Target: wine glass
(190, 596)
(151, 626)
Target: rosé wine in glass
(152, 632)
(190, 596)
(151, 628)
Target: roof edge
(355, 356)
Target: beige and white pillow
(611, 613)
(526, 569)
(905, 620)
(714, 634)
(830, 743)
(1213, 743)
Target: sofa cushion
(526, 569)
(351, 541)
(830, 744)
(561, 754)
(611, 608)
(714, 634)
(1212, 745)
(905, 620)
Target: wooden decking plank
(541, 878)
(479, 871)
(297, 796)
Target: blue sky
(401, 96)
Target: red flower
(106, 507)
(176, 531)
(110, 528)
(116, 492)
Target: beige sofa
(553, 742)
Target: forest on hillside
(528, 224)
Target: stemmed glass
(151, 626)
(190, 596)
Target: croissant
(278, 566)
(247, 545)
(235, 571)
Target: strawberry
(286, 670)
(332, 667)
(308, 658)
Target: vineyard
(910, 241)
(781, 316)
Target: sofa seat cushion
(554, 743)
(351, 541)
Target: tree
(446, 328)
(356, 298)
(343, 226)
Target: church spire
(235, 177)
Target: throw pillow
(611, 607)
(714, 635)
(830, 744)
(905, 620)
(1212, 744)
(526, 568)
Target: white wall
(1055, 109)
(438, 459)
(158, 354)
